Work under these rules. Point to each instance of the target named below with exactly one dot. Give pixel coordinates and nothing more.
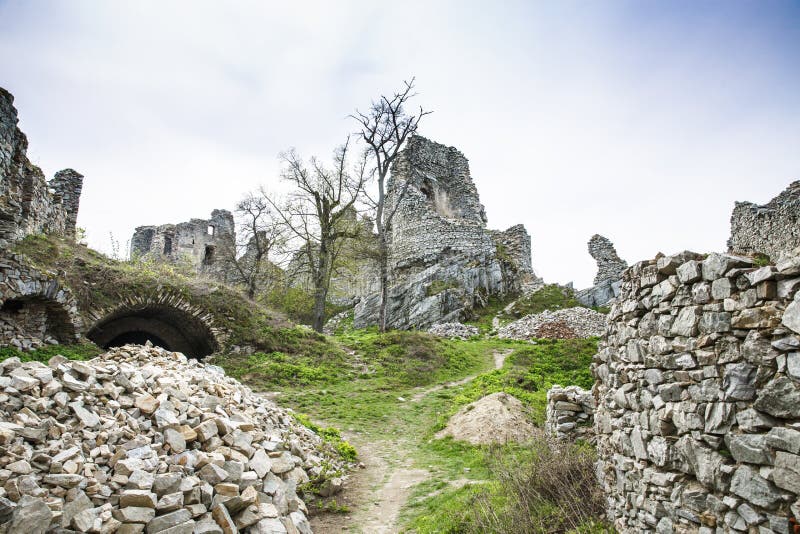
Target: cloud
(640, 121)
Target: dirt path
(375, 494)
(499, 357)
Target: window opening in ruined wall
(167, 245)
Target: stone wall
(28, 203)
(442, 260)
(609, 273)
(771, 229)
(34, 308)
(698, 396)
(570, 413)
(202, 243)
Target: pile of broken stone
(453, 330)
(141, 439)
(560, 324)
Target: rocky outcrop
(569, 323)
(570, 413)
(771, 229)
(140, 439)
(28, 203)
(698, 396)
(442, 260)
(609, 273)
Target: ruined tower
(28, 203)
(442, 259)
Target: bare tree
(385, 129)
(316, 213)
(260, 234)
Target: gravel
(453, 330)
(560, 324)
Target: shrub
(537, 488)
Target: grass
(533, 369)
(369, 391)
(532, 488)
(439, 286)
(99, 282)
(550, 297)
(85, 351)
(364, 392)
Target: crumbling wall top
(28, 203)
(772, 229)
(609, 264)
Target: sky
(643, 121)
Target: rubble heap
(698, 396)
(453, 330)
(570, 413)
(568, 323)
(141, 439)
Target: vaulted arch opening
(162, 325)
(30, 321)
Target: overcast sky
(643, 121)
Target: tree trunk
(383, 259)
(321, 287)
(320, 295)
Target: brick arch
(34, 308)
(164, 319)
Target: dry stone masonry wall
(443, 261)
(771, 229)
(698, 396)
(28, 203)
(570, 413)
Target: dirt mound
(496, 418)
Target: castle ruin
(29, 204)
(200, 242)
(443, 261)
(34, 308)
